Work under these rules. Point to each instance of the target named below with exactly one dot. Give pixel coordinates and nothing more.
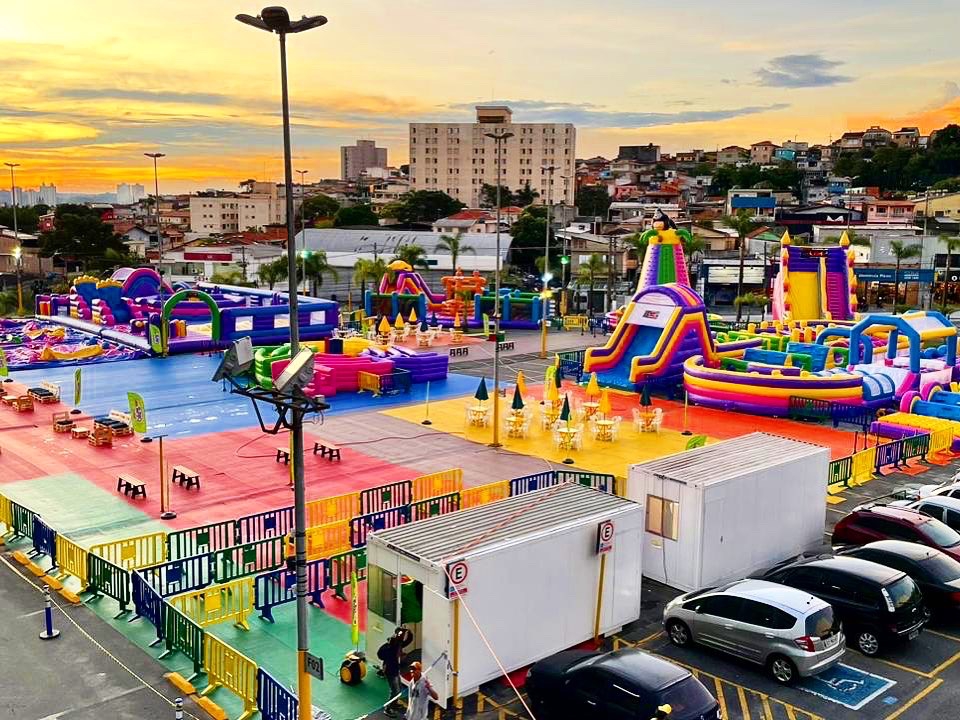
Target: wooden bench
(120, 423)
(186, 477)
(326, 449)
(61, 422)
(47, 392)
(79, 433)
(131, 486)
(23, 403)
(101, 436)
(283, 455)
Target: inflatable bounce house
(465, 296)
(815, 282)
(137, 309)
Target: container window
(382, 593)
(663, 517)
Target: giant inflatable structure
(815, 282)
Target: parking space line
(743, 702)
(650, 638)
(765, 701)
(720, 698)
(945, 664)
(947, 636)
(790, 714)
(906, 668)
(915, 699)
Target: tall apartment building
(217, 212)
(458, 158)
(129, 194)
(354, 159)
(48, 194)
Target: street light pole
(277, 20)
(18, 251)
(303, 226)
(156, 214)
(498, 138)
(549, 169)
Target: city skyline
(107, 83)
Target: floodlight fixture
(297, 374)
(236, 360)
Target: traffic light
(564, 259)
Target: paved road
(73, 677)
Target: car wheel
(782, 669)
(868, 642)
(679, 633)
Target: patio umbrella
(413, 316)
(645, 396)
(423, 326)
(593, 387)
(456, 320)
(398, 323)
(605, 407)
(565, 411)
(384, 327)
(517, 399)
(558, 378)
(433, 320)
(481, 393)
(521, 383)
(550, 393)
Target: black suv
(876, 604)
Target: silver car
(788, 631)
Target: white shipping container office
(528, 572)
(723, 511)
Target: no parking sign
(605, 537)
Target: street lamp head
(276, 19)
(500, 136)
(12, 165)
(17, 253)
(154, 155)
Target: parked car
(868, 523)
(622, 685)
(790, 632)
(916, 491)
(876, 604)
(937, 574)
(944, 508)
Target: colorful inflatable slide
(815, 282)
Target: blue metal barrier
(386, 496)
(433, 506)
(280, 586)
(889, 454)
(598, 481)
(274, 701)
(148, 604)
(45, 541)
(269, 523)
(362, 526)
(529, 483)
(180, 576)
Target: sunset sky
(87, 87)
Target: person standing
(390, 655)
(420, 694)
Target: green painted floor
(80, 510)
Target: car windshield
(904, 592)
(942, 567)
(941, 534)
(687, 697)
(822, 623)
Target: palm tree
(313, 266)
(744, 224)
(413, 255)
(453, 245)
(901, 252)
(638, 242)
(371, 270)
(748, 301)
(691, 246)
(587, 274)
(952, 244)
(273, 272)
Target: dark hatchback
(937, 574)
(876, 604)
(621, 685)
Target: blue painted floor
(181, 399)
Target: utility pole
(547, 275)
(18, 251)
(156, 214)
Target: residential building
(641, 212)
(48, 194)
(355, 159)
(177, 218)
(691, 157)
(850, 141)
(459, 158)
(31, 264)
(128, 194)
(217, 212)
(388, 191)
(761, 203)
(908, 137)
(732, 155)
(474, 221)
(762, 153)
(883, 212)
(875, 136)
(646, 154)
(937, 205)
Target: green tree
(356, 215)
(638, 244)
(425, 206)
(488, 196)
(743, 223)
(901, 251)
(593, 200)
(392, 209)
(750, 300)
(695, 244)
(587, 275)
(453, 244)
(319, 206)
(372, 270)
(952, 244)
(529, 233)
(273, 272)
(412, 254)
(525, 196)
(313, 265)
(81, 236)
(854, 238)
(229, 277)
(27, 218)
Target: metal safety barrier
(179, 576)
(597, 481)
(232, 670)
(362, 526)
(135, 552)
(248, 559)
(280, 586)
(529, 483)
(22, 520)
(483, 494)
(44, 541)
(183, 635)
(201, 539)
(148, 604)
(863, 466)
(326, 540)
(915, 446)
(218, 603)
(341, 567)
(259, 526)
(333, 509)
(6, 513)
(839, 471)
(889, 454)
(438, 483)
(386, 496)
(72, 560)
(434, 506)
(274, 701)
(108, 579)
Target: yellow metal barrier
(6, 512)
(326, 540)
(333, 509)
(575, 322)
(368, 381)
(72, 560)
(483, 494)
(230, 669)
(135, 552)
(438, 483)
(941, 440)
(218, 603)
(864, 464)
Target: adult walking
(420, 694)
(390, 654)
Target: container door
(714, 560)
(665, 557)
(437, 634)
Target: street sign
(456, 579)
(313, 665)
(605, 537)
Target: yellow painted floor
(602, 457)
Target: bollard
(178, 709)
(49, 633)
